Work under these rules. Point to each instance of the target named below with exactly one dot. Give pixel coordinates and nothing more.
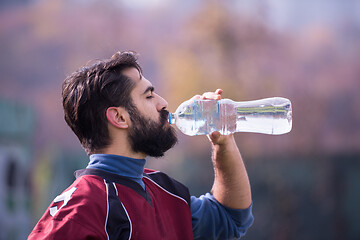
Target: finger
(196, 97)
(219, 91)
(211, 95)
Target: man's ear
(117, 116)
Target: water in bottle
(200, 117)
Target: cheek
(149, 106)
(149, 111)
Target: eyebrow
(149, 89)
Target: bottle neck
(171, 118)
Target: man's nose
(162, 104)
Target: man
(119, 120)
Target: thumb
(214, 137)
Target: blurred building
(16, 132)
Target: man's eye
(149, 97)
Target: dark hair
(90, 91)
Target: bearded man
(119, 120)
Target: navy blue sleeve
(212, 220)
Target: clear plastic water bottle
(200, 117)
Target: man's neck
(114, 149)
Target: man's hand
(215, 137)
(231, 185)
(210, 95)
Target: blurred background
(305, 184)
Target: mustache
(164, 116)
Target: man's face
(149, 132)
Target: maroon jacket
(102, 205)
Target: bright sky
(283, 14)
(294, 15)
(144, 3)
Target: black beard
(149, 137)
